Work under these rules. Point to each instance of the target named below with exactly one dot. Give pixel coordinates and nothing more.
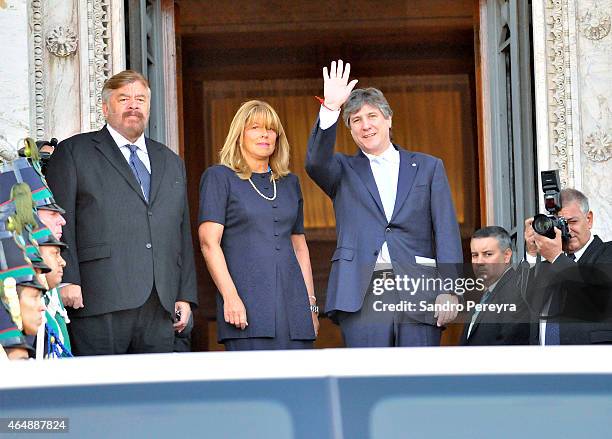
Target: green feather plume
(31, 149)
(21, 194)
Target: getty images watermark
(422, 285)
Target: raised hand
(550, 249)
(336, 87)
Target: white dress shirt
(385, 168)
(142, 152)
(327, 117)
(577, 254)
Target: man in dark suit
(395, 220)
(570, 284)
(503, 317)
(129, 260)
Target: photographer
(570, 286)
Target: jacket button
(388, 230)
(376, 253)
(150, 213)
(148, 245)
(278, 247)
(275, 205)
(275, 219)
(275, 233)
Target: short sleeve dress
(259, 254)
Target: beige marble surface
(594, 57)
(14, 82)
(63, 75)
(68, 99)
(541, 90)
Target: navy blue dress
(260, 258)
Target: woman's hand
(234, 311)
(210, 234)
(315, 323)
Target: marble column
(573, 85)
(60, 58)
(594, 56)
(14, 82)
(59, 54)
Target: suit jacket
(584, 291)
(504, 328)
(120, 245)
(423, 221)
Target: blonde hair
(231, 154)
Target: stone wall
(14, 79)
(594, 56)
(573, 80)
(57, 55)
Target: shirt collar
(580, 252)
(390, 155)
(122, 141)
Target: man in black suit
(503, 316)
(570, 284)
(129, 259)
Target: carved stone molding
(598, 146)
(98, 23)
(39, 85)
(62, 42)
(558, 72)
(595, 24)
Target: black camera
(545, 224)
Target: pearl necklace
(262, 195)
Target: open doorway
(421, 54)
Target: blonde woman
(252, 238)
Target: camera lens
(544, 225)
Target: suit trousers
(373, 327)
(146, 329)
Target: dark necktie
(552, 328)
(140, 171)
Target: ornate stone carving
(598, 146)
(595, 24)
(38, 77)
(62, 42)
(98, 23)
(559, 91)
